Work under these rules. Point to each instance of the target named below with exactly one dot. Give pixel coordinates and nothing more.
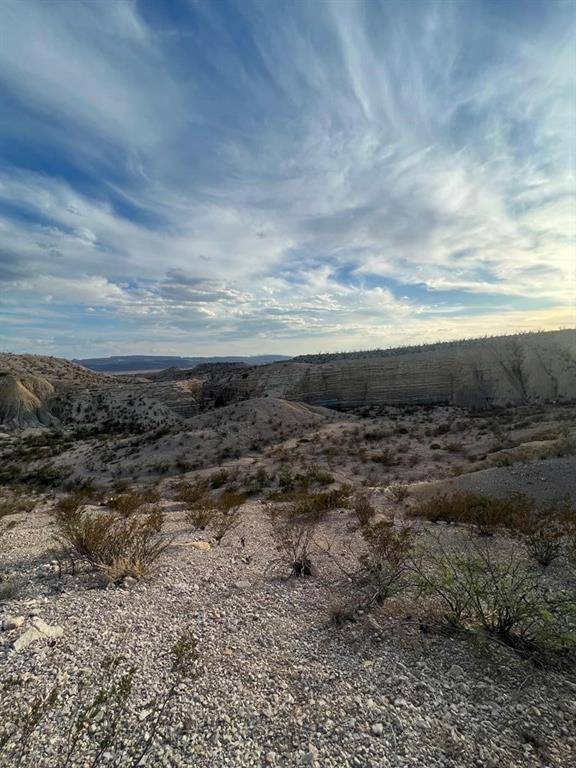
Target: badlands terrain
(365, 559)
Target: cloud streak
(258, 176)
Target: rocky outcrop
(23, 401)
(477, 374)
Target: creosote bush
(546, 531)
(14, 503)
(228, 514)
(485, 514)
(503, 597)
(68, 506)
(385, 566)
(222, 513)
(115, 545)
(363, 509)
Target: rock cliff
(478, 374)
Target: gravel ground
(278, 685)
(544, 480)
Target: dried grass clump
(14, 504)
(130, 501)
(115, 545)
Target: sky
(284, 176)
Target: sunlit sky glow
(218, 177)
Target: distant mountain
(147, 363)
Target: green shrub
(15, 504)
(130, 501)
(70, 505)
(385, 566)
(385, 457)
(220, 478)
(399, 492)
(502, 597)
(192, 493)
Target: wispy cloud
(289, 176)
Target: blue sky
(219, 177)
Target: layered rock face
(22, 401)
(480, 373)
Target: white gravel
(278, 685)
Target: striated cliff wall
(479, 373)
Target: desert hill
(481, 373)
(152, 363)
(57, 370)
(22, 401)
(205, 440)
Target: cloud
(244, 173)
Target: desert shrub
(320, 502)
(341, 613)
(199, 515)
(191, 493)
(10, 587)
(70, 505)
(228, 514)
(15, 504)
(502, 597)
(318, 475)
(385, 457)
(292, 485)
(116, 546)
(485, 514)
(386, 565)
(332, 499)
(150, 495)
(546, 531)
(220, 478)
(316, 505)
(46, 475)
(399, 492)
(363, 509)
(293, 536)
(258, 481)
(375, 435)
(130, 501)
